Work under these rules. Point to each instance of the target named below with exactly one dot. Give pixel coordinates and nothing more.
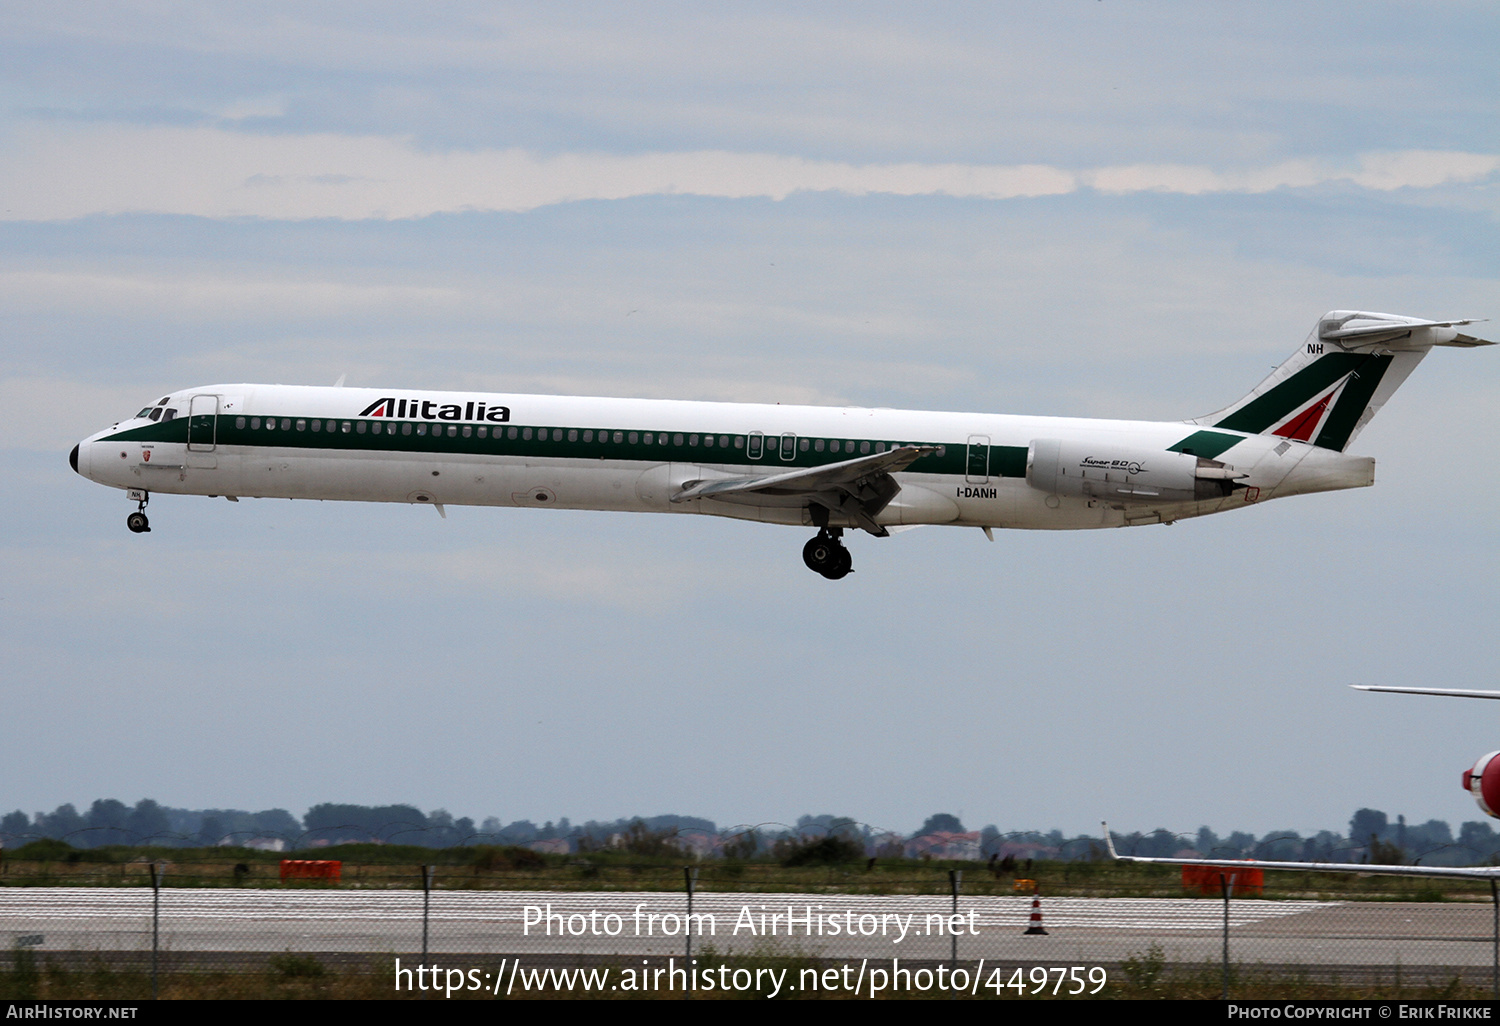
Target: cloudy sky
(1090, 208)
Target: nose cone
(73, 458)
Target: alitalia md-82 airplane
(829, 468)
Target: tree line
(1371, 835)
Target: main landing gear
(825, 554)
(137, 521)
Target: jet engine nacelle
(1483, 782)
(1125, 476)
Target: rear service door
(977, 469)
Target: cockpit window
(145, 412)
(168, 414)
(156, 414)
(164, 400)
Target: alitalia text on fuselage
(437, 409)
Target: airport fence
(440, 929)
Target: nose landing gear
(825, 554)
(137, 521)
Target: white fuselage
(636, 455)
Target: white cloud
(1383, 172)
(58, 171)
(212, 295)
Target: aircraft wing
(1459, 872)
(1446, 692)
(859, 488)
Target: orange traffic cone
(1035, 926)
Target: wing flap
(809, 480)
(859, 488)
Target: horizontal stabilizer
(1359, 327)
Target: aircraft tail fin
(1329, 389)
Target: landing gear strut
(825, 554)
(137, 521)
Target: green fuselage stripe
(1207, 444)
(438, 437)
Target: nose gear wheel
(137, 521)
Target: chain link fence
(167, 919)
